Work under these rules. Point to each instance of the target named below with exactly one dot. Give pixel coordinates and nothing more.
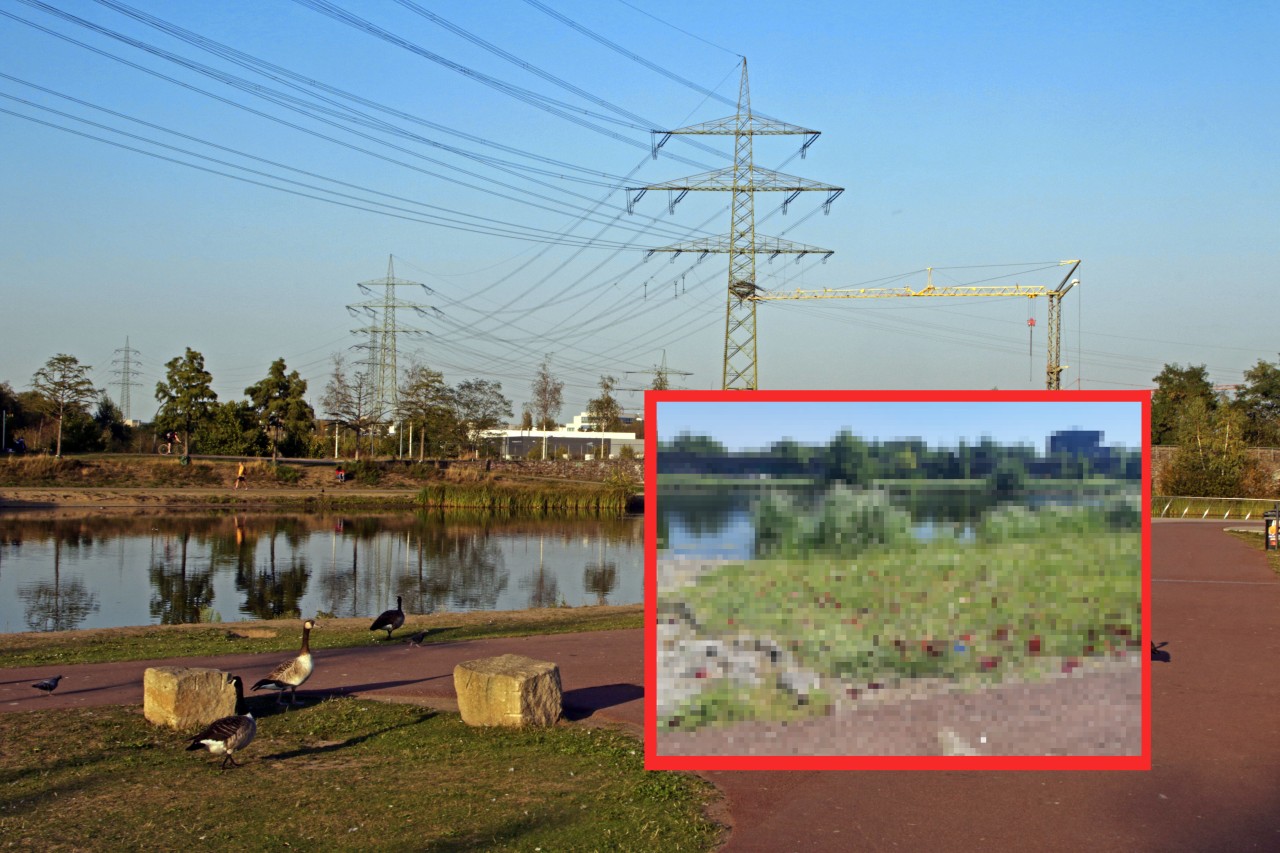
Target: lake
(65, 570)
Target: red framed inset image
(930, 580)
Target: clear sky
(1139, 137)
(752, 425)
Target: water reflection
(146, 567)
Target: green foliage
(230, 429)
(605, 412)
(1176, 388)
(63, 388)
(366, 473)
(700, 444)
(283, 413)
(548, 397)
(1259, 400)
(1013, 523)
(1212, 458)
(186, 396)
(481, 407)
(843, 523)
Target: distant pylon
(383, 331)
(744, 179)
(128, 369)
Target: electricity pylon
(1054, 367)
(383, 330)
(661, 375)
(128, 370)
(743, 179)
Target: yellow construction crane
(1053, 370)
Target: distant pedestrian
(340, 475)
(240, 481)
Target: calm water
(69, 571)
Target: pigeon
(48, 685)
(416, 639)
(1161, 656)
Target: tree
(1259, 401)
(1212, 459)
(109, 420)
(1175, 388)
(548, 396)
(186, 396)
(480, 407)
(427, 402)
(350, 402)
(280, 404)
(64, 388)
(604, 412)
(232, 429)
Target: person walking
(240, 481)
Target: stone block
(508, 690)
(186, 698)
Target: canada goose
(225, 736)
(48, 685)
(291, 674)
(390, 620)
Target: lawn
(343, 774)
(975, 612)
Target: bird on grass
(48, 685)
(417, 639)
(390, 620)
(291, 674)
(228, 734)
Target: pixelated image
(870, 579)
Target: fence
(1243, 509)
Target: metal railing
(1164, 506)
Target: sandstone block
(508, 690)
(186, 697)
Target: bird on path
(416, 639)
(228, 734)
(1158, 655)
(48, 685)
(390, 620)
(291, 674)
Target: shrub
(366, 472)
(842, 523)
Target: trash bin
(1271, 527)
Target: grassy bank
(339, 775)
(176, 641)
(514, 486)
(967, 612)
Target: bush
(843, 523)
(1019, 522)
(365, 472)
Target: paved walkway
(1214, 785)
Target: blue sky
(753, 425)
(1139, 137)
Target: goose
(228, 734)
(390, 620)
(48, 685)
(291, 674)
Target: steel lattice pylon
(128, 370)
(741, 370)
(383, 332)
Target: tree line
(64, 410)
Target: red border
(653, 761)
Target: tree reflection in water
(271, 591)
(179, 592)
(56, 605)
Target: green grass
(176, 641)
(343, 774)
(973, 612)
